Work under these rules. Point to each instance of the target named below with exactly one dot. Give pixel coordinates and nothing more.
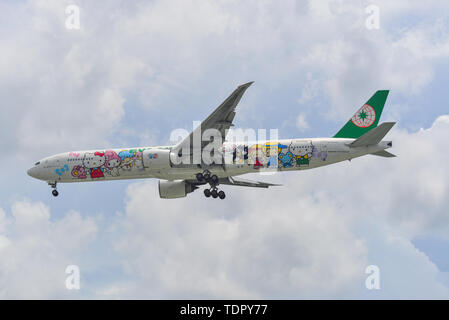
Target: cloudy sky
(136, 70)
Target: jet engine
(175, 189)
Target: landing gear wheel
(221, 194)
(214, 179)
(199, 177)
(214, 194)
(206, 177)
(207, 193)
(53, 186)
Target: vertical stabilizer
(366, 118)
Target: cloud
(309, 90)
(35, 251)
(61, 89)
(259, 250)
(313, 237)
(65, 89)
(156, 54)
(411, 190)
(301, 122)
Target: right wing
(221, 120)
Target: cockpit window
(37, 163)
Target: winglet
(246, 85)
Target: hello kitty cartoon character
(138, 160)
(112, 163)
(127, 157)
(79, 172)
(94, 162)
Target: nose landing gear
(54, 192)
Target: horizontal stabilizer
(373, 136)
(384, 153)
(246, 183)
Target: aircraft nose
(32, 172)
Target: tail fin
(366, 118)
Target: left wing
(231, 181)
(246, 183)
(221, 119)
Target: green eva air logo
(366, 118)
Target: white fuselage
(156, 162)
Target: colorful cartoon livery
(360, 136)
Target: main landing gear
(212, 180)
(54, 192)
(214, 193)
(206, 176)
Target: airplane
(186, 166)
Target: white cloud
(301, 122)
(264, 247)
(313, 237)
(61, 88)
(309, 90)
(35, 251)
(58, 82)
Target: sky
(136, 70)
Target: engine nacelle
(174, 189)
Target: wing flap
(246, 183)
